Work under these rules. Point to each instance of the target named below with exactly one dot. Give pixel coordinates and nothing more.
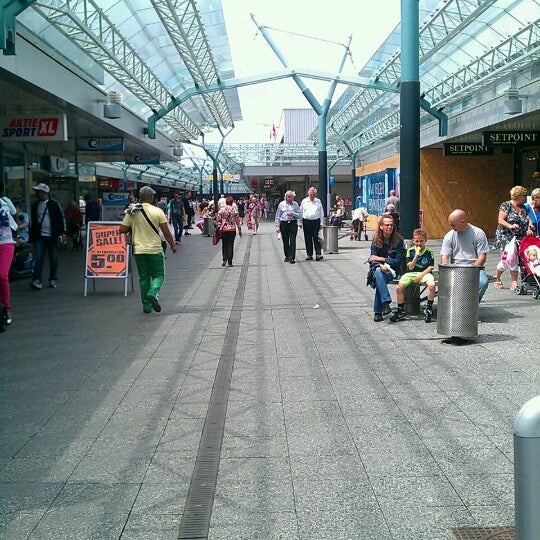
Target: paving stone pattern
(337, 427)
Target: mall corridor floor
(263, 402)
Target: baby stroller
(23, 262)
(529, 266)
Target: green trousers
(151, 270)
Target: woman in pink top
(228, 221)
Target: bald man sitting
(466, 244)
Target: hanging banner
(466, 149)
(99, 144)
(508, 138)
(142, 159)
(114, 205)
(34, 127)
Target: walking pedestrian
(8, 226)
(228, 221)
(287, 215)
(145, 222)
(312, 216)
(176, 216)
(46, 227)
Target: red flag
(273, 133)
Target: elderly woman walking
(228, 221)
(513, 222)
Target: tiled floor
(337, 427)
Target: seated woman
(387, 250)
(337, 217)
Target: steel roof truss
(87, 26)
(443, 25)
(184, 26)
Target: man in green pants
(145, 222)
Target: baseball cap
(146, 191)
(42, 187)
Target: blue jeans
(483, 283)
(382, 294)
(41, 245)
(178, 225)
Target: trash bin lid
(527, 422)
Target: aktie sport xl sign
(33, 128)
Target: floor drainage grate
(484, 533)
(195, 521)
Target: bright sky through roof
(309, 35)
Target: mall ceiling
(467, 50)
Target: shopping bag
(510, 254)
(217, 236)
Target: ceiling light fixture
(113, 108)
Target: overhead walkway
(331, 427)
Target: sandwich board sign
(107, 253)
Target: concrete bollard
(527, 470)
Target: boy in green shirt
(420, 263)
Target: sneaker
(155, 304)
(378, 317)
(8, 320)
(398, 315)
(319, 258)
(386, 309)
(286, 259)
(52, 283)
(292, 261)
(36, 285)
(427, 315)
(309, 258)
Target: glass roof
(454, 35)
(138, 22)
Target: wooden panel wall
(477, 185)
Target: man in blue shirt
(287, 215)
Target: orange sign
(107, 252)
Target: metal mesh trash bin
(330, 239)
(208, 226)
(457, 307)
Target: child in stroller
(529, 266)
(533, 256)
(23, 261)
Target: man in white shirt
(312, 216)
(466, 244)
(359, 215)
(222, 202)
